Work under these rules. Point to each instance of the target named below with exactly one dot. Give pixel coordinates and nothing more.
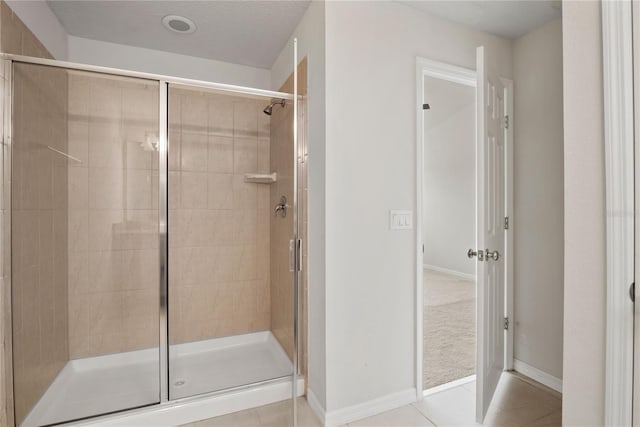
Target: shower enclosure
(154, 241)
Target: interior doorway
(515, 172)
(448, 224)
(464, 199)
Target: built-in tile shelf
(261, 178)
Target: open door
(490, 201)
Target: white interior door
(490, 228)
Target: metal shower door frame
(5, 281)
(164, 82)
(296, 239)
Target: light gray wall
(95, 52)
(44, 24)
(537, 221)
(584, 219)
(449, 210)
(371, 50)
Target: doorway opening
(449, 224)
(489, 264)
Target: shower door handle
(292, 255)
(295, 255)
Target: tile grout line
(541, 417)
(423, 415)
(533, 383)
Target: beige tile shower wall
(302, 132)
(113, 215)
(218, 224)
(39, 259)
(282, 228)
(39, 232)
(282, 308)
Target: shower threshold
(105, 384)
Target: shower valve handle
(281, 207)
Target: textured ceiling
(510, 19)
(253, 32)
(241, 32)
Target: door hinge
(423, 248)
(506, 222)
(506, 323)
(506, 122)
(632, 292)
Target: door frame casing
(509, 276)
(429, 68)
(635, 416)
(617, 51)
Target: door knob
(471, 253)
(495, 255)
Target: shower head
(269, 108)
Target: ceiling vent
(179, 24)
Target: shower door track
(164, 81)
(115, 418)
(147, 76)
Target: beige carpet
(449, 328)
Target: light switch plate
(400, 220)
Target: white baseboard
(459, 274)
(370, 408)
(537, 375)
(316, 406)
(449, 385)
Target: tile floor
(519, 402)
(274, 415)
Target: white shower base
(105, 384)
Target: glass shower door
(85, 243)
(230, 311)
(116, 182)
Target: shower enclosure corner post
(163, 211)
(296, 237)
(5, 309)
